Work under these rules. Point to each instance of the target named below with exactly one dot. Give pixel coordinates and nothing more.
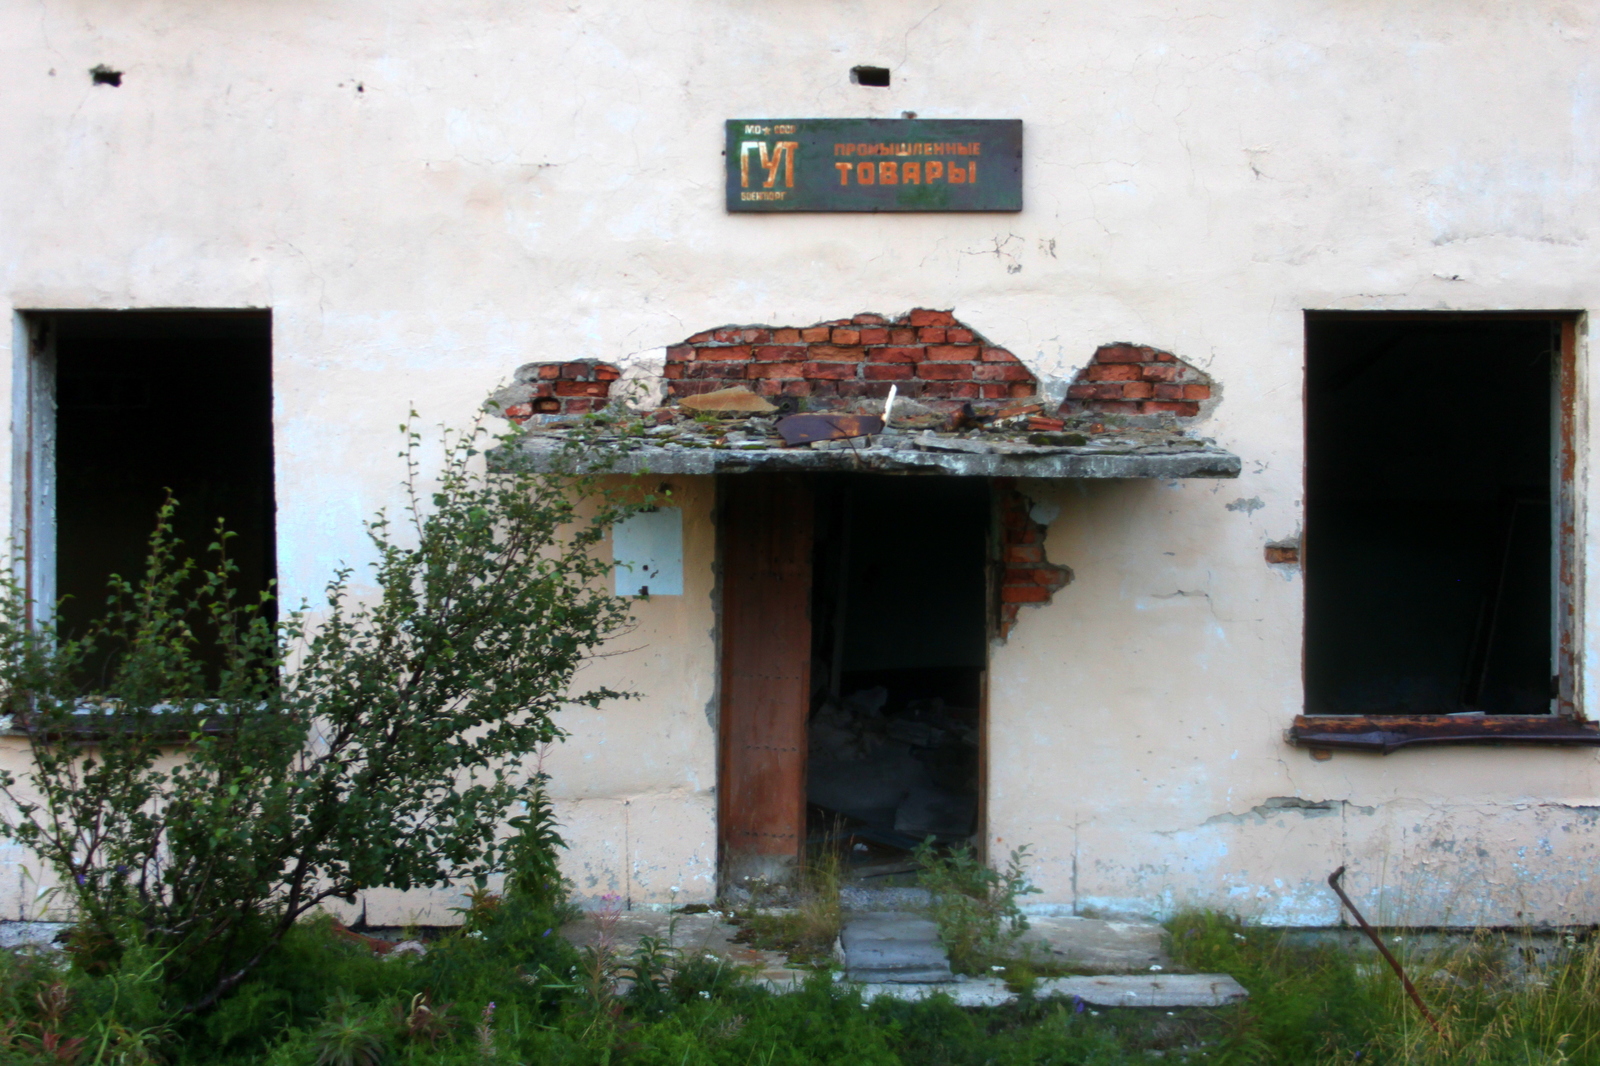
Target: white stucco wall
(429, 194)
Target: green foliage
(975, 907)
(195, 812)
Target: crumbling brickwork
(1132, 379)
(577, 387)
(1027, 576)
(930, 356)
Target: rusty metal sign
(874, 164)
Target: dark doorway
(148, 402)
(855, 623)
(899, 648)
(1428, 552)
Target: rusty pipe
(1377, 942)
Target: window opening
(1430, 549)
(899, 647)
(146, 402)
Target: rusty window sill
(1383, 734)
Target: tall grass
(1331, 1006)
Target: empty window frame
(1438, 547)
(115, 408)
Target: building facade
(1348, 248)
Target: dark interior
(1428, 523)
(899, 630)
(152, 401)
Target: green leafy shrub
(201, 810)
(975, 907)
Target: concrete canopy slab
(903, 455)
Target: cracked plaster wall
(424, 207)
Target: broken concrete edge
(1194, 463)
(1172, 992)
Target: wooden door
(766, 535)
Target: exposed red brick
(951, 390)
(755, 336)
(775, 370)
(580, 388)
(606, 373)
(953, 353)
(944, 371)
(702, 371)
(1080, 392)
(797, 388)
(826, 388)
(931, 335)
(998, 355)
(902, 336)
(1158, 372)
(1117, 407)
(1001, 372)
(727, 336)
(1169, 392)
(780, 353)
(699, 338)
(874, 336)
(1197, 392)
(550, 370)
(924, 317)
(958, 336)
(830, 353)
(897, 355)
(1119, 353)
(827, 370)
(544, 388)
(1019, 389)
(576, 407)
(870, 320)
(1039, 423)
(786, 336)
(815, 335)
(1111, 372)
(768, 387)
(576, 371)
(1150, 407)
(1165, 357)
(1138, 390)
(672, 371)
(846, 336)
(1024, 553)
(679, 353)
(736, 353)
(863, 390)
(888, 371)
(993, 392)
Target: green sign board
(874, 164)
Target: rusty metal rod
(1377, 942)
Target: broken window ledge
(903, 455)
(1386, 733)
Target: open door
(766, 528)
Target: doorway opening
(855, 622)
(899, 631)
(1434, 488)
(125, 406)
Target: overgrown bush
(194, 814)
(975, 907)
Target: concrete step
(1169, 991)
(887, 947)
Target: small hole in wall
(104, 75)
(874, 76)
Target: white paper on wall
(648, 549)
